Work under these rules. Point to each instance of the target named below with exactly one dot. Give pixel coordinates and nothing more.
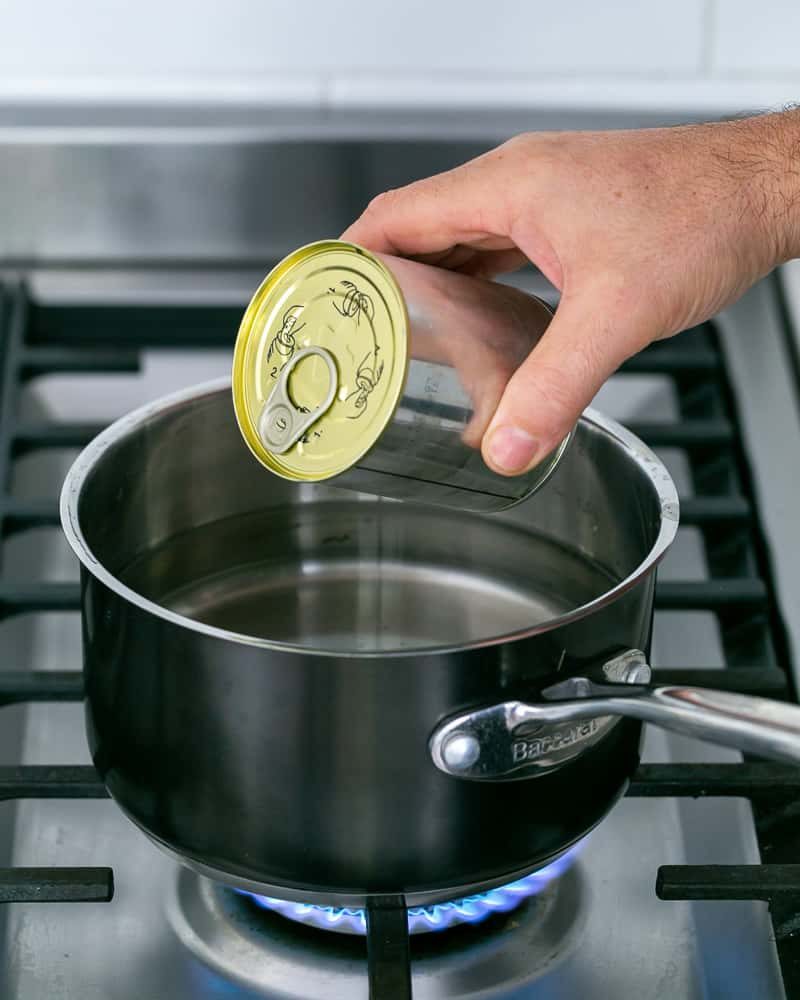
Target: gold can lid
(320, 361)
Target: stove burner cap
(423, 919)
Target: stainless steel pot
(274, 671)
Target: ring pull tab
(281, 423)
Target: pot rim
(645, 459)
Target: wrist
(770, 156)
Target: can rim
(247, 426)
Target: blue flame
(439, 917)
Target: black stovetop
(40, 340)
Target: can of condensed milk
(382, 374)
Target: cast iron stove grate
(46, 339)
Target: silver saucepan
(291, 687)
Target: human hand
(643, 232)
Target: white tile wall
(200, 37)
(757, 39)
(715, 54)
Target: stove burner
(276, 958)
(422, 919)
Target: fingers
(547, 394)
(461, 206)
(488, 263)
(476, 262)
(460, 255)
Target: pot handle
(514, 736)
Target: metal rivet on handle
(461, 751)
(639, 674)
(630, 667)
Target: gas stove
(688, 889)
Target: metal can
(382, 374)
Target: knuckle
(382, 202)
(519, 143)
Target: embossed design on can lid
(328, 300)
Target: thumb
(547, 394)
